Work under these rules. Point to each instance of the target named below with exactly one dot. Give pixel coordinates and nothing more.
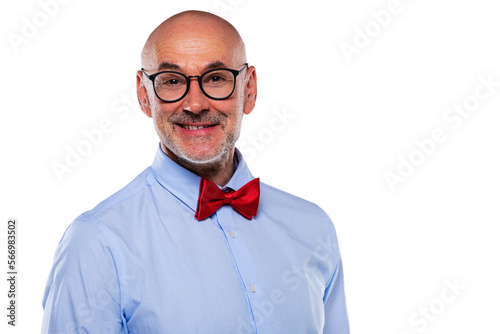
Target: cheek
(162, 111)
(160, 121)
(158, 117)
(232, 108)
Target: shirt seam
(331, 276)
(334, 270)
(136, 189)
(123, 296)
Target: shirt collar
(185, 185)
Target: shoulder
(94, 238)
(301, 220)
(119, 204)
(81, 245)
(296, 213)
(280, 200)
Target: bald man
(195, 243)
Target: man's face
(192, 52)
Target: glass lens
(170, 86)
(218, 83)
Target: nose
(195, 101)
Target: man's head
(192, 43)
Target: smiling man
(195, 243)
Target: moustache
(204, 117)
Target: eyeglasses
(217, 84)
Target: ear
(142, 94)
(250, 90)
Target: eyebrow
(166, 66)
(214, 65)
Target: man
(195, 243)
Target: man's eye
(171, 82)
(216, 79)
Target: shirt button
(232, 234)
(253, 288)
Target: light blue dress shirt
(139, 262)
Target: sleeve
(336, 320)
(82, 294)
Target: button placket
(228, 219)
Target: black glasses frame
(188, 82)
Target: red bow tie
(244, 200)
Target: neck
(219, 171)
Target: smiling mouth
(195, 127)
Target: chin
(201, 158)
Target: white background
(351, 121)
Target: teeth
(194, 127)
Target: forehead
(195, 46)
